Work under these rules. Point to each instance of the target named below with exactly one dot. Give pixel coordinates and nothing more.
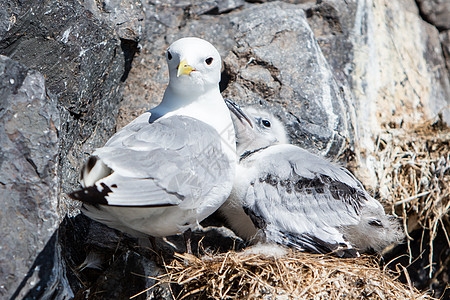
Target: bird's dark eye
(266, 123)
(169, 55)
(209, 60)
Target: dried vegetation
(240, 275)
(414, 178)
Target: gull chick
(287, 195)
(172, 166)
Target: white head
(194, 66)
(265, 129)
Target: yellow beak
(184, 68)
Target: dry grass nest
(414, 177)
(296, 275)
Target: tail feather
(93, 170)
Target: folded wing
(156, 165)
(300, 199)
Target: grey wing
(297, 194)
(159, 165)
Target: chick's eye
(169, 55)
(209, 60)
(266, 123)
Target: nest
(296, 275)
(414, 177)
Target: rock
(112, 258)
(229, 5)
(445, 42)
(367, 47)
(288, 1)
(296, 82)
(436, 12)
(197, 8)
(89, 249)
(8, 16)
(137, 271)
(398, 75)
(332, 24)
(29, 128)
(81, 58)
(125, 16)
(47, 278)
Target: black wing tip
(91, 195)
(88, 166)
(316, 245)
(91, 162)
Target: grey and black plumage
(287, 195)
(172, 166)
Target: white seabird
(172, 166)
(287, 195)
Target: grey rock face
(398, 74)
(29, 191)
(80, 57)
(445, 41)
(434, 56)
(82, 62)
(332, 23)
(383, 52)
(278, 62)
(126, 16)
(138, 271)
(437, 12)
(111, 285)
(47, 277)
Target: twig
(413, 197)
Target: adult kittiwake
(287, 195)
(172, 166)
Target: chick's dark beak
(237, 111)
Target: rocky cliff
(340, 74)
